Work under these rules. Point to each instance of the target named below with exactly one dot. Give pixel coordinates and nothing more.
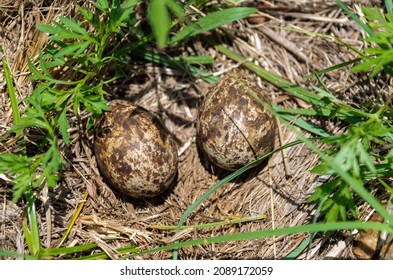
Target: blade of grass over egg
(298, 121)
(227, 179)
(311, 98)
(274, 79)
(333, 162)
(320, 112)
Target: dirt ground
(278, 190)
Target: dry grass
(279, 189)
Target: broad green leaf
(206, 59)
(318, 227)
(176, 9)
(36, 74)
(212, 21)
(160, 21)
(65, 36)
(74, 49)
(125, 11)
(74, 26)
(102, 5)
(50, 29)
(332, 211)
(364, 158)
(87, 14)
(64, 125)
(59, 32)
(324, 190)
(322, 168)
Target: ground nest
(276, 192)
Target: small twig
(272, 209)
(111, 252)
(185, 146)
(288, 173)
(48, 217)
(288, 45)
(315, 17)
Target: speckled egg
(134, 151)
(233, 127)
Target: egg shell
(135, 153)
(233, 127)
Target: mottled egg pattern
(134, 151)
(233, 128)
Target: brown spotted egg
(134, 151)
(233, 127)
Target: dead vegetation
(277, 190)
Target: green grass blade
(389, 5)
(11, 93)
(321, 112)
(276, 232)
(212, 21)
(160, 21)
(31, 230)
(333, 68)
(305, 243)
(49, 252)
(215, 224)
